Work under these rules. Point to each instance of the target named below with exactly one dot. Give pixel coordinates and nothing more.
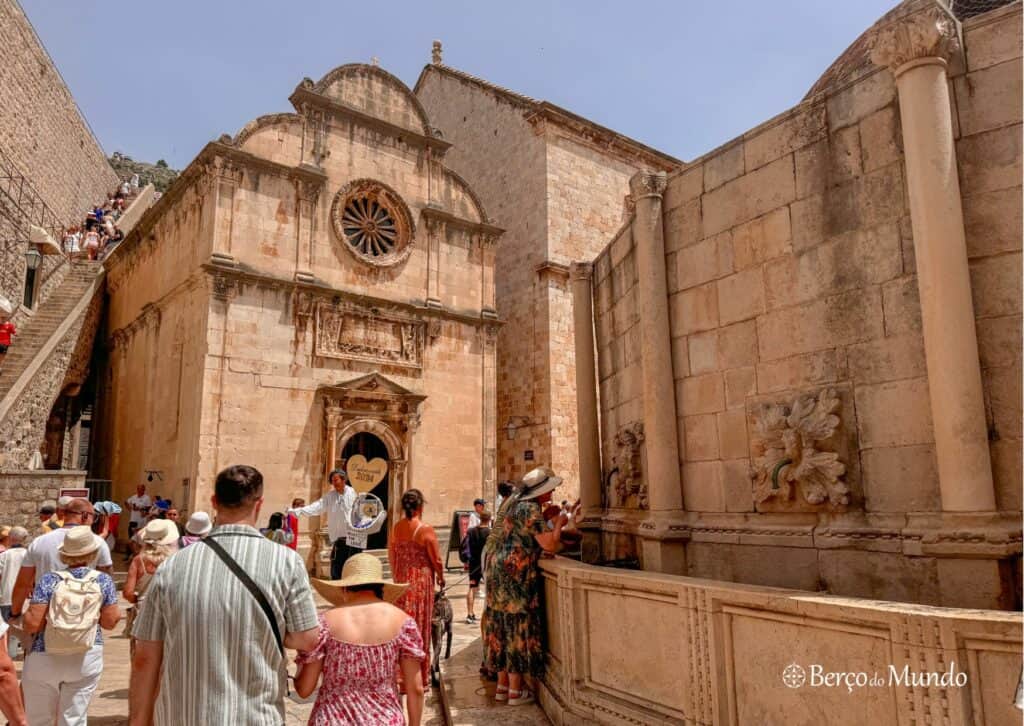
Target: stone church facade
(317, 287)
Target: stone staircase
(41, 326)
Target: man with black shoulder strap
(218, 616)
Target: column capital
(581, 270)
(929, 33)
(647, 183)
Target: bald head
(79, 511)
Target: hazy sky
(160, 79)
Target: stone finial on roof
(435, 54)
(374, 61)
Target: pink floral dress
(412, 565)
(359, 684)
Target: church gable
(376, 93)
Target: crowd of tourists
(99, 232)
(212, 607)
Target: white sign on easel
(366, 518)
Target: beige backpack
(74, 613)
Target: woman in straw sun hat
(64, 666)
(159, 541)
(363, 641)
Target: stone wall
(609, 661)
(22, 492)
(44, 135)
(557, 185)
(789, 255)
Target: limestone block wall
(790, 267)
(496, 150)
(155, 340)
(560, 195)
(44, 135)
(988, 147)
(732, 646)
(22, 492)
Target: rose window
(373, 222)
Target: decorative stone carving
(369, 336)
(646, 183)
(786, 453)
(625, 480)
(222, 286)
(928, 33)
(435, 53)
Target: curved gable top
(377, 93)
(459, 198)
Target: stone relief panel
(369, 336)
(625, 485)
(798, 452)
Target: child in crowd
(7, 333)
(275, 530)
(476, 537)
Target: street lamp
(33, 258)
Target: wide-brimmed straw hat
(539, 481)
(160, 532)
(79, 541)
(199, 524)
(361, 569)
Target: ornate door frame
(377, 405)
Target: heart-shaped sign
(364, 475)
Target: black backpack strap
(251, 586)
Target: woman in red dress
(415, 558)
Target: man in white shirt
(139, 506)
(43, 555)
(338, 505)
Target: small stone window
(373, 223)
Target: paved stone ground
(468, 696)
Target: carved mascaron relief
(625, 483)
(789, 459)
(369, 336)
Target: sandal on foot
(501, 693)
(522, 699)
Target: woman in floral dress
(512, 627)
(363, 644)
(415, 558)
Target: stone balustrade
(630, 647)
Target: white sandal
(501, 693)
(524, 697)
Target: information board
(460, 525)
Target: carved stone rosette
(626, 484)
(787, 455)
(927, 33)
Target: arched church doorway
(370, 447)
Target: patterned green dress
(511, 624)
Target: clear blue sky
(160, 78)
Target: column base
(663, 556)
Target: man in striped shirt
(203, 640)
(338, 503)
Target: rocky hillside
(159, 174)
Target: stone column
(917, 49)
(588, 434)
(665, 493)
(332, 418)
